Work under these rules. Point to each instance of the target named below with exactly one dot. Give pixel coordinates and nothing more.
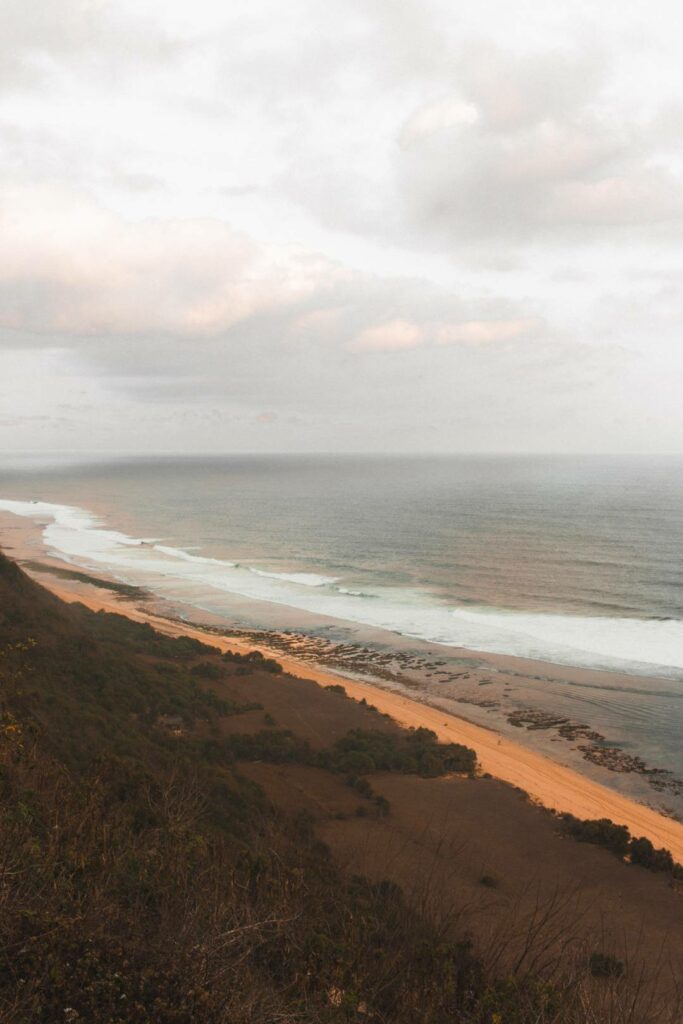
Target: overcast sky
(377, 225)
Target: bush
(416, 752)
(361, 785)
(644, 853)
(382, 804)
(617, 838)
(600, 832)
(247, 663)
(602, 965)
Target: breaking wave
(635, 645)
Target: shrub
(644, 853)
(415, 752)
(383, 805)
(602, 965)
(600, 832)
(246, 663)
(618, 839)
(361, 785)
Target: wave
(636, 646)
(185, 556)
(606, 639)
(306, 579)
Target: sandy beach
(553, 785)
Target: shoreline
(545, 781)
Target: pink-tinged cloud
(68, 265)
(484, 332)
(390, 336)
(396, 335)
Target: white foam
(305, 579)
(632, 645)
(597, 639)
(185, 556)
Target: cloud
(69, 267)
(485, 332)
(401, 334)
(529, 149)
(35, 37)
(473, 203)
(185, 314)
(72, 270)
(438, 116)
(396, 334)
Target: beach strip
(551, 784)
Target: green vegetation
(253, 660)
(601, 832)
(642, 852)
(361, 786)
(361, 751)
(618, 839)
(337, 688)
(415, 751)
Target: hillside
(195, 837)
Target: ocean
(576, 561)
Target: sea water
(577, 560)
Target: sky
(368, 225)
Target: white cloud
(438, 116)
(374, 223)
(546, 157)
(401, 334)
(485, 332)
(69, 267)
(388, 337)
